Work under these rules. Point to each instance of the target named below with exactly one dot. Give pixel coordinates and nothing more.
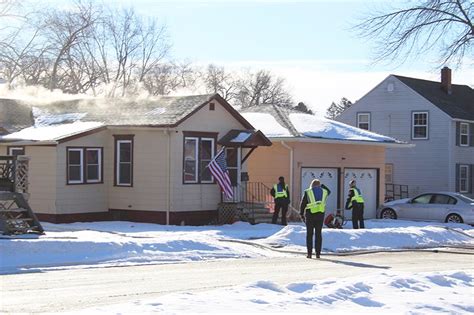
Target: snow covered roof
(277, 122)
(51, 132)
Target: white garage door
(367, 183)
(328, 177)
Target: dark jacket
(304, 200)
(287, 200)
(349, 204)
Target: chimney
(446, 80)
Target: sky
(310, 43)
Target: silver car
(438, 206)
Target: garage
(367, 179)
(328, 177)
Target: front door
(328, 177)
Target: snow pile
(401, 293)
(316, 127)
(126, 243)
(267, 124)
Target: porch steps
(256, 213)
(16, 216)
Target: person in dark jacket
(355, 201)
(312, 207)
(281, 195)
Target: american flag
(218, 168)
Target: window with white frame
(124, 162)
(464, 134)
(75, 166)
(463, 178)
(93, 165)
(84, 165)
(389, 173)
(198, 152)
(15, 151)
(363, 121)
(420, 125)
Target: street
(74, 289)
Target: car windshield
(464, 198)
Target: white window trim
(463, 134)
(389, 166)
(212, 156)
(11, 149)
(413, 126)
(466, 178)
(196, 160)
(368, 120)
(117, 179)
(99, 164)
(81, 166)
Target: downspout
(168, 201)
(291, 167)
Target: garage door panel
(328, 177)
(367, 183)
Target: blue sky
(310, 43)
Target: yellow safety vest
(281, 193)
(357, 197)
(313, 205)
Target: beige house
(306, 147)
(127, 160)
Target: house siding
(424, 167)
(82, 198)
(460, 155)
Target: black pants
(283, 205)
(314, 225)
(357, 215)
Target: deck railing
(393, 192)
(14, 174)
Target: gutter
(291, 166)
(168, 201)
(354, 142)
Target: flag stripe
(218, 169)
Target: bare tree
(445, 26)
(335, 109)
(217, 80)
(262, 88)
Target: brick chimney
(446, 80)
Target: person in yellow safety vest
(312, 207)
(281, 195)
(355, 201)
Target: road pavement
(75, 289)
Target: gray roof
(14, 115)
(158, 111)
(458, 104)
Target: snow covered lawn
(101, 244)
(407, 293)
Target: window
(463, 178)
(464, 134)
(75, 166)
(198, 152)
(443, 200)
(423, 199)
(84, 165)
(363, 121)
(93, 165)
(15, 151)
(420, 125)
(389, 173)
(124, 160)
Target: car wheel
(454, 218)
(388, 214)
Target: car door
(416, 209)
(440, 205)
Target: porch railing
(393, 192)
(14, 174)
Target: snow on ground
(101, 244)
(401, 293)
